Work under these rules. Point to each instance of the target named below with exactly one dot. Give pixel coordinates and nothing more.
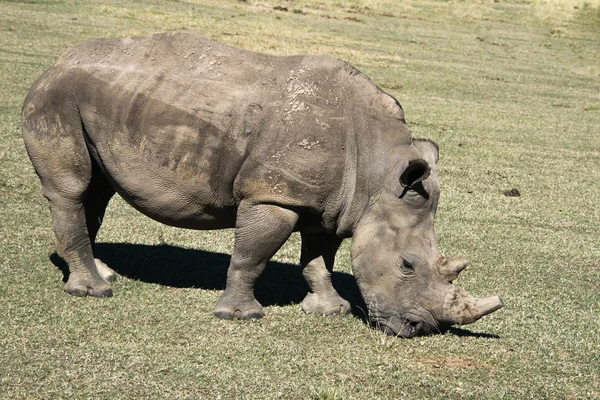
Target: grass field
(510, 90)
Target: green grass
(510, 90)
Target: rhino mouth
(408, 322)
(411, 330)
(400, 327)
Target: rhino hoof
(81, 288)
(77, 292)
(224, 314)
(253, 315)
(103, 292)
(250, 309)
(107, 273)
(325, 304)
(238, 314)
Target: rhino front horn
(460, 308)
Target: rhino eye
(407, 267)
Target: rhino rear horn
(417, 171)
(450, 267)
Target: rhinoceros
(202, 135)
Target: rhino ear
(429, 149)
(416, 171)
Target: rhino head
(404, 280)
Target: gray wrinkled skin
(201, 135)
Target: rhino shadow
(457, 331)
(280, 284)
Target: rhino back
(186, 127)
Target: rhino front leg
(317, 258)
(260, 231)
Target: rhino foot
(250, 309)
(105, 271)
(79, 286)
(329, 304)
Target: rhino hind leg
(260, 231)
(70, 216)
(56, 145)
(98, 194)
(317, 258)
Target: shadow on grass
(466, 333)
(280, 284)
